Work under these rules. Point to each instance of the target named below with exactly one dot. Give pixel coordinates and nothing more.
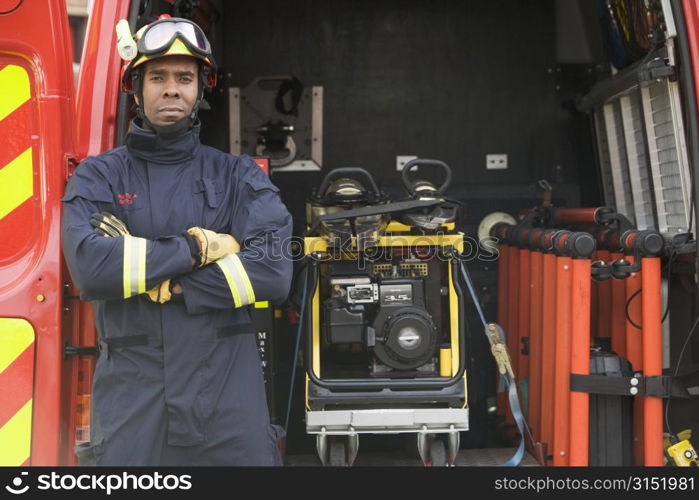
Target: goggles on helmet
(170, 36)
(157, 37)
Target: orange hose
(638, 441)
(604, 300)
(565, 216)
(548, 350)
(536, 299)
(634, 353)
(513, 316)
(580, 362)
(634, 337)
(524, 304)
(561, 401)
(503, 269)
(617, 315)
(652, 360)
(594, 303)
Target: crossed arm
(124, 266)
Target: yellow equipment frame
(395, 238)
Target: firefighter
(171, 240)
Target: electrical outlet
(402, 160)
(496, 162)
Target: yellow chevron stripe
(14, 89)
(16, 437)
(15, 336)
(16, 183)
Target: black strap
(664, 386)
(69, 350)
(654, 386)
(387, 208)
(294, 86)
(127, 341)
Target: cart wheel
(337, 455)
(438, 453)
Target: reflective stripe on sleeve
(141, 242)
(134, 266)
(237, 279)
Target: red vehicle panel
(40, 126)
(37, 110)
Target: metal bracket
(454, 441)
(67, 296)
(69, 350)
(525, 346)
(663, 386)
(422, 447)
(656, 69)
(352, 446)
(322, 446)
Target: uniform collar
(147, 145)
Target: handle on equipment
(425, 162)
(347, 172)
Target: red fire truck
(48, 125)
(45, 393)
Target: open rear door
(36, 135)
(95, 129)
(44, 380)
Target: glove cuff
(194, 249)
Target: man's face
(170, 88)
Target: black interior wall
(447, 79)
(451, 80)
(443, 79)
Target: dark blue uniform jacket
(179, 382)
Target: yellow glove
(160, 293)
(105, 224)
(213, 246)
